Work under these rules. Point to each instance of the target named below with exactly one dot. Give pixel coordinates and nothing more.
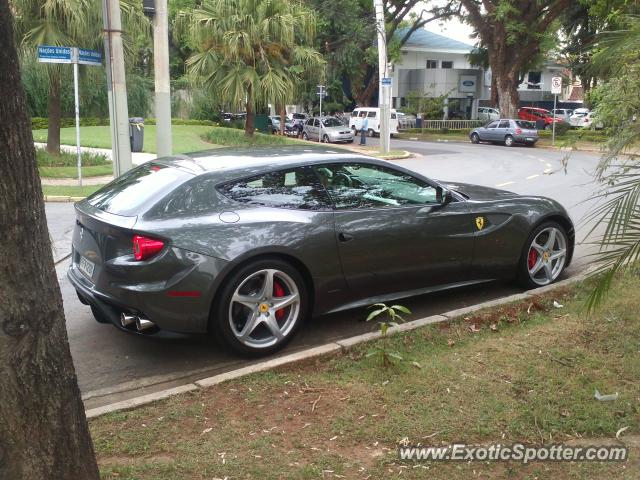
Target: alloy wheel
(546, 256)
(264, 308)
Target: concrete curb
(62, 199)
(329, 348)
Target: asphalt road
(112, 365)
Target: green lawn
(186, 138)
(72, 172)
(524, 372)
(69, 191)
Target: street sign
(386, 81)
(89, 57)
(556, 85)
(53, 54)
(75, 55)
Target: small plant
(386, 317)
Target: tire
(371, 133)
(529, 261)
(475, 138)
(508, 141)
(230, 317)
(325, 139)
(305, 136)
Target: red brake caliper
(533, 258)
(278, 291)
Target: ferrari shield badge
(480, 223)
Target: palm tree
(252, 51)
(66, 23)
(618, 209)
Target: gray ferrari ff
(247, 243)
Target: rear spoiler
(91, 216)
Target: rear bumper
(525, 139)
(175, 300)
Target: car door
(502, 130)
(393, 232)
(488, 132)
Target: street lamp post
(384, 87)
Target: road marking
(505, 184)
(531, 177)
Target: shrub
(235, 138)
(68, 159)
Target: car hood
(478, 192)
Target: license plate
(86, 267)
(529, 139)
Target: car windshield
(331, 122)
(525, 124)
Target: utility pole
(384, 85)
(116, 87)
(321, 94)
(161, 73)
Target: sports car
(246, 244)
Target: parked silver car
(507, 131)
(327, 129)
(563, 113)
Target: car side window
(362, 114)
(354, 113)
(362, 185)
(316, 123)
(296, 188)
(492, 125)
(371, 114)
(504, 124)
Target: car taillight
(518, 131)
(145, 247)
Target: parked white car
(588, 120)
(575, 120)
(563, 113)
(372, 115)
(488, 113)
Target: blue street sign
(53, 54)
(89, 57)
(386, 81)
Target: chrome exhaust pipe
(127, 320)
(143, 324)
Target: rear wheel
(305, 136)
(508, 141)
(325, 139)
(475, 138)
(371, 133)
(544, 256)
(261, 307)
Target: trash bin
(419, 122)
(540, 124)
(136, 133)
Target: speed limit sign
(556, 85)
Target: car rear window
(525, 124)
(133, 192)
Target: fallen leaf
(451, 342)
(206, 430)
(493, 327)
(621, 431)
(557, 305)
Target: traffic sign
(386, 81)
(89, 57)
(53, 54)
(556, 85)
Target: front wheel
(508, 141)
(544, 256)
(325, 139)
(261, 307)
(305, 136)
(371, 133)
(475, 138)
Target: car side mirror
(443, 196)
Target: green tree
(68, 23)
(253, 52)
(618, 57)
(512, 31)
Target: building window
(432, 64)
(534, 81)
(446, 64)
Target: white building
(437, 65)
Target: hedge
(40, 123)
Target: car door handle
(345, 237)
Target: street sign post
(321, 93)
(74, 55)
(556, 89)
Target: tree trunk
(283, 118)
(495, 100)
(43, 428)
(55, 114)
(249, 124)
(506, 75)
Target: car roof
(241, 160)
